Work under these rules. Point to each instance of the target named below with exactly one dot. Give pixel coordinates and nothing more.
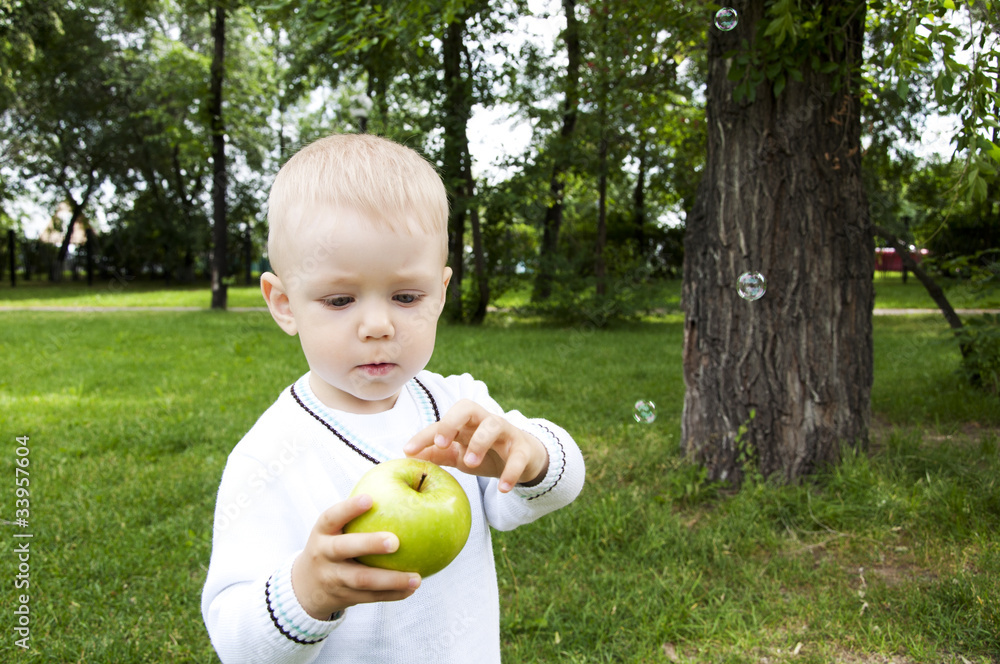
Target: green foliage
(980, 340)
(575, 300)
(922, 32)
(22, 24)
(916, 50)
(688, 486)
(793, 38)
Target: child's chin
(377, 392)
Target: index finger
(463, 414)
(421, 440)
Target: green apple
(424, 506)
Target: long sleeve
(561, 485)
(566, 471)
(248, 603)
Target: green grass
(891, 554)
(120, 293)
(892, 293)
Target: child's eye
(338, 302)
(407, 298)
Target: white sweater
(302, 457)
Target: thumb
(332, 520)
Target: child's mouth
(380, 369)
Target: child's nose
(375, 323)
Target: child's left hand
(476, 441)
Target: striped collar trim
(307, 400)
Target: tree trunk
(551, 224)
(220, 234)
(639, 204)
(454, 121)
(248, 256)
(782, 195)
(478, 255)
(12, 255)
(76, 216)
(600, 268)
(91, 248)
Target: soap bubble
(751, 286)
(726, 19)
(645, 411)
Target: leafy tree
(606, 204)
(562, 155)
(70, 113)
(22, 23)
(958, 229)
(778, 385)
(406, 56)
(159, 220)
(220, 172)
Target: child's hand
(325, 577)
(477, 442)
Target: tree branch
(935, 291)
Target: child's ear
(277, 302)
(447, 280)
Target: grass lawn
(892, 293)
(121, 293)
(891, 556)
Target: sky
(493, 132)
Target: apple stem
(422, 478)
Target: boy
(358, 243)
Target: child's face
(365, 304)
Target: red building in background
(887, 260)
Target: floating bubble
(645, 411)
(751, 286)
(726, 19)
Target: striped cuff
(557, 459)
(288, 615)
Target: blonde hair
(386, 182)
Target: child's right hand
(327, 579)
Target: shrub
(980, 341)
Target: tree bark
(76, 216)
(552, 223)
(782, 195)
(478, 256)
(639, 204)
(91, 248)
(12, 255)
(220, 232)
(455, 163)
(600, 267)
(248, 256)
